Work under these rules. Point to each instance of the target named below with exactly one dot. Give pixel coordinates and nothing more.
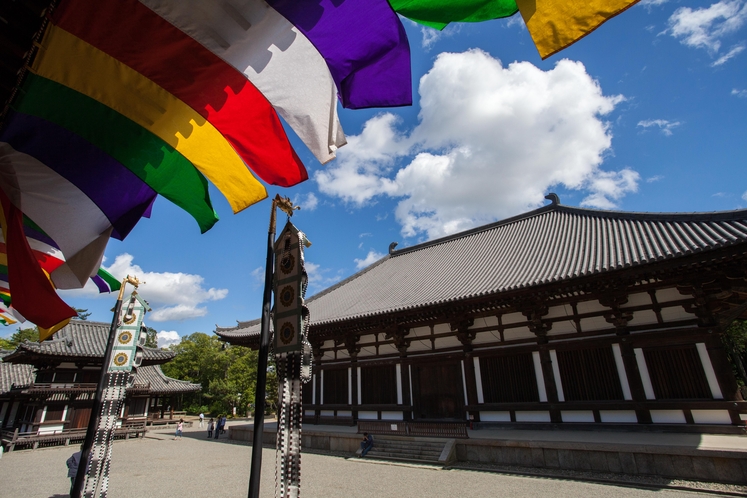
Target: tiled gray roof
(10, 374)
(551, 244)
(82, 338)
(160, 384)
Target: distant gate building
(559, 315)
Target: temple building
(46, 388)
(561, 315)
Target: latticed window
(509, 379)
(677, 373)
(589, 374)
(336, 386)
(379, 385)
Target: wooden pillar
(534, 313)
(354, 387)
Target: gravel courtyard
(158, 466)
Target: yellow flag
(556, 24)
(45, 334)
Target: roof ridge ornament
(553, 197)
(392, 246)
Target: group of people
(217, 427)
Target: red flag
(33, 294)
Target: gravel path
(158, 466)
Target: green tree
(151, 340)
(20, 335)
(735, 340)
(82, 314)
(228, 374)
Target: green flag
(438, 13)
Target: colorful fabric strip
(364, 44)
(80, 229)
(154, 161)
(278, 59)
(78, 65)
(116, 191)
(438, 13)
(105, 281)
(36, 299)
(555, 25)
(156, 51)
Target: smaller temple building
(47, 388)
(558, 316)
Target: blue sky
(645, 114)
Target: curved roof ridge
(349, 279)
(735, 214)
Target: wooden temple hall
(560, 315)
(46, 389)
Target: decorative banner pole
(264, 348)
(93, 468)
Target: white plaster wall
(495, 416)
(342, 354)
(441, 328)
(368, 415)
(447, 342)
(485, 321)
(565, 327)
(327, 413)
(595, 323)
(668, 417)
(309, 413)
(420, 332)
(392, 416)
(487, 337)
(675, 313)
(666, 295)
(420, 345)
(645, 317)
(711, 417)
(577, 415)
(638, 299)
(592, 306)
(518, 333)
(618, 416)
(388, 349)
(344, 413)
(532, 416)
(513, 318)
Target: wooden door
(438, 391)
(80, 418)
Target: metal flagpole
(85, 452)
(264, 349)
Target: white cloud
(654, 178)
(320, 278)
(490, 142)
(705, 27)
(173, 296)
(735, 50)
(742, 94)
(664, 125)
(432, 35)
(744, 196)
(371, 258)
(610, 186)
(652, 3)
(307, 202)
(167, 338)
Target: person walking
(211, 426)
(218, 426)
(72, 467)
(223, 422)
(179, 429)
(202, 419)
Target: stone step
(401, 458)
(411, 453)
(407, 445)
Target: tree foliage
(151, 340)
(83, 314)
(228, 374)
(20, 335)
(735, 341)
